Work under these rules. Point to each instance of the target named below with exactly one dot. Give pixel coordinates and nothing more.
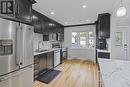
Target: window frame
(87, 40)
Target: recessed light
(87, 20)
(52, 13)
(84, 6)
(51, 24)
(34, 17)
(80, 20)
(66, 22)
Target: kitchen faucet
(39, 42)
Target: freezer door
(26, 45)
(8, 41)
(10, 81)
(26, 78)
(20, 78)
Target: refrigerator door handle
(16, 47)
(9, 76)
(19, 48)
(15, 73)
(22, 46)
(17, 52)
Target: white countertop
(50, 50)
(115, 73)
(105, 51)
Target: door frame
(128, 27)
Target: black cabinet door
(37, 22)
(62, 33)
(103, 55)
(50, 60)
(104, 25)
(36, 65)
(42, 62)
(46, 28)
(45, 37)
(23, 10)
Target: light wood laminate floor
(75, 73)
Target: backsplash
(43, 44)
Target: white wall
(118, 21)
(85, 54)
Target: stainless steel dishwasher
(57, 57)
(49, 61)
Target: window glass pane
(91, 40)
(83, 39)
(91, 34)
(119, 37)
(74, 39)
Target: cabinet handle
(9, 76)
(17, 8)
(18, 13)
(21, 63)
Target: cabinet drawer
(36, 66)
(103, 55)
(36, 60)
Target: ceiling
(71, 12)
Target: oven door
(64, 54)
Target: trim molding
(80, 25)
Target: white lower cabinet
(22, 78)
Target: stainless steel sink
(38, 51)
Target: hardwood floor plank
(75, 73)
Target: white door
(122, 42)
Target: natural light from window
(83, 39)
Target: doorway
(122, 44)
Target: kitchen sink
(40, 51)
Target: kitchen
(44, 44)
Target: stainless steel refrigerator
(16, 54)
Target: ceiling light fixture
(34, 17)
(80, 20)
(87, 20)
(66, 23)
(121, 10)
(52, 13)
(84, 6)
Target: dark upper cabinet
(37, 22)
(47, 26)
(103, 26)
(61, 33)
(23, 10)
(103, 55)
(52, 27)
